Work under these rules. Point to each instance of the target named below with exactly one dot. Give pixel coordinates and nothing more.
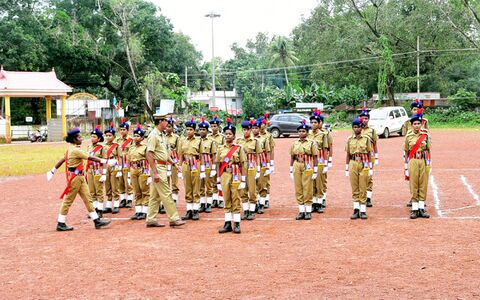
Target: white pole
(213, 68)
(418, 67)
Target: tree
(386, 73)
(283, 55)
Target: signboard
(28, 119)
(166, 107)
(309, 105)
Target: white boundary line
(470, 189)
(447, 211)
(292, 219)
(435, 196)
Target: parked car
(285, 124)
(388, 120)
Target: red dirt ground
(386, 256)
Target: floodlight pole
(212, 16)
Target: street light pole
(212, 16)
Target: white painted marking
(470, 189)
(435, 196)
(447, 211)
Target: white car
(388, 120)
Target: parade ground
(387, 256)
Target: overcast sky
(240, 20)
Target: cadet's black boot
(369, 202)
(267, 203)
(99, 212)
(409, 204)
(188, 215)
(123, 203)
(202, 208)
(142, 216)
(300, 216)
(195, 215)
(320, 208)
(251, 215)
(246, 213)
(220, 204)
(422, 213)
(116, 210)
(63, 227)
(227, 227)
(162, 210)
(363, 216)
(356, 214)
(208, 209)
(414, 214)
(308, 216)
(314, 207)
(135, 216)
(260, 209)
(236, 227)
(107, 210)
(129, 204)
(214, 204)
(99, 223)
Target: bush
(452, 116)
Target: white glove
(119, 174)
(213, 173)
(103, 178)
(180, 175)
(202, 174)
(149, 180)
(325, 169)
(314, 176)
(346, 170)
(272, 166)
(242, 185)
(291, 172)
(330, 162)
(268, 171)
(406, 173)
(376, 159)
(169, 173)
(50, 174)
(219, 186)
(111, 162)
(370, 172)
(202, 168)
(129, 179)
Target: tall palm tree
(283, 54)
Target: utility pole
(418, 67)
(212, 16)
(186, 86)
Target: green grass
(17, 160)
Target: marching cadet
(264, 142)
(321, 138)
(207, 167)
(417, 149)
(358, 166)
(173, 141)
(231, 165)
(158, 158)
(124, 189)
(94, 170)
(219, 140)
(137, 156)
(372, 135)
(407, 126)
(76, 183)
(329, 165)
(189, 159)
(271, 165)
(109, 173)
(304, 170)
(252, 149)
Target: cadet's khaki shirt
(329, 138)
(114, 153)
(358, 144)
(207, 146)
(320, 137)
(264, 143)
(371, 133)
(268, 136)
(158, 145)
(238, 156)
(137, 152)
(190, 146)
(218, 138)
(411, 140)
(173, 141)
(250, 145)
(304, 147)
(407, 126)
(76, 156)
(99, 153)
(120, 142)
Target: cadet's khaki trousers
(111, 184)
(262, 183)
(303, 184)
(160, 192)
(95, 186)
(206, 185)
(231, 194)
(173, 180)
(78, 186)
(248, 194)
(418, 179)
(123, 187)
(358, 181)
(140, 187)
(318, 186)
(370, 178)
(191, 180)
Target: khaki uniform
(324, 177)
(268, 136)
(252, 149)
(173, 141)
(78, 185)
(207, 152)
(94, 173)
(160, 191)
(219, 139)
(359, 149)
(372, 135)
(231, 194)
(262, 181)
(190, 151)
(321, 138)
(418, 167)
(137, 155)
(111, 183)
(407, 126)
(303, 153)
(124, 189)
